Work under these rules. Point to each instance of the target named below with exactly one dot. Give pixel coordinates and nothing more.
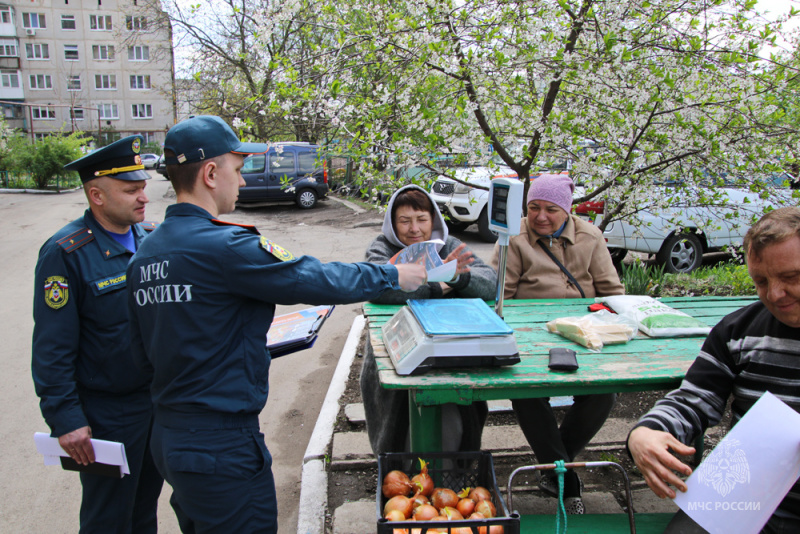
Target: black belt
(205, 420)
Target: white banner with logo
(741, 482)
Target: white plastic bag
(655, 318)
(594, 330)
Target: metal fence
(13, 180)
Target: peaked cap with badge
(120, 160)
(205, 137)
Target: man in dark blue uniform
(202, 296)
(83, 370)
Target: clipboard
(296, 331)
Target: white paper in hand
(105, 452)
(739, 485)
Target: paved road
(46, 499)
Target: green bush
(43, 159)
(153, 148)
(639, 279)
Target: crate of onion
(444, 493)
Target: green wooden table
(642, 364)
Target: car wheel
(306, 199)
(681, 253)
(483, 228)
(618, 254)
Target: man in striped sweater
(751, 351)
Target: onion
(442, 497)
(423, 480)
(425, 512)
(479, 493)
(496, 529)
(466, 506)
(396, 483)
(451, 513)
(399, 502)
(419, 499)
(486, 508)
(395, 515)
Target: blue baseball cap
(204, 137)
(120, 160)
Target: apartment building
(104, 67)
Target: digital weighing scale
(441, 333)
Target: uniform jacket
(81, 339)
(581, 248)
(479, 282)
(202, 297)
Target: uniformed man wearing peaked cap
(202, 295)
(82, 365)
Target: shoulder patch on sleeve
(56, 291)
(148, 226)
(245, 226)
(276, 250)
(76, 240)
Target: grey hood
(439, 227)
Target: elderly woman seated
(412, 217)
(558, 255)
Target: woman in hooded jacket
(412, 217)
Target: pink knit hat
(555, 188)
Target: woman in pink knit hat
(551, 233)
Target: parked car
(463, 205)
(161, 167)
(149, 160)
(289, 171)
(673, 235)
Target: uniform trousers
(550, 442)
(220, 471)
(127, 505)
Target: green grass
(723, 279)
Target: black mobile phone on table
(563, 359)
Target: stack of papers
(110, 459)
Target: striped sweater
(747, 353)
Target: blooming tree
(636, 94)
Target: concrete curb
(314, 479)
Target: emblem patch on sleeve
(276, 250)
(56, 291)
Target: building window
(43, 112)
(71, 52)
(142, 111)
(100, 22)
(68, 22)
(41, 81)
(74, 83)
(33, 20)
(136, 23)
(5, 15)
(36, 51)
(76, 114)
(108, 111)
(138, 53)
(105, 81)
(140, 81)
(103, 52)
(10, 79)
(8, 48)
